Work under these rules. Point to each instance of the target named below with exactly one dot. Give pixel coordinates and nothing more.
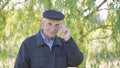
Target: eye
(57, 25)
(49, 24)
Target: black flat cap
(53, 14)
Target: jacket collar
(58, 41)
(40, 41)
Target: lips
(53, 32)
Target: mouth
(52, 33)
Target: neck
(47, 37)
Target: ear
(42, 22)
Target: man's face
(50, 27)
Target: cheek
(47, 29)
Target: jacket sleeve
(74, 56)
(22, 60)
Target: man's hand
(65, 32)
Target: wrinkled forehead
(52, 21)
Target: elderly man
(46, 49)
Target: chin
(52, 36)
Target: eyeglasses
(56, 26)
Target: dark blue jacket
(34, 53)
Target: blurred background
(94, 25)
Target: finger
(66, 32)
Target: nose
(53, 28)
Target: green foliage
(98, 40)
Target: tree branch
(96, 9)
(101, 4)
(100, 37)
(104, 27)
(104, 9)
(4, 5)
